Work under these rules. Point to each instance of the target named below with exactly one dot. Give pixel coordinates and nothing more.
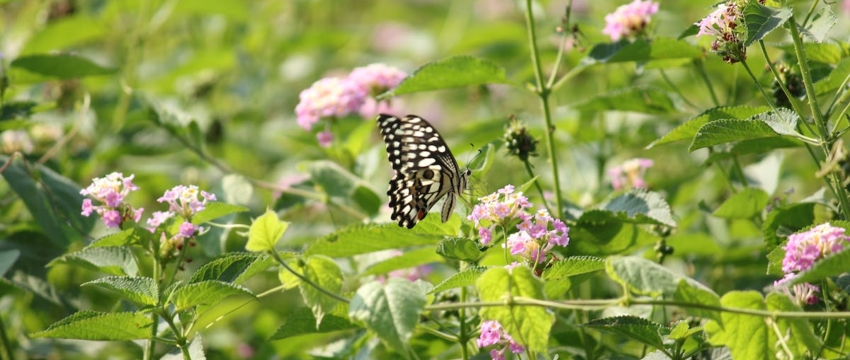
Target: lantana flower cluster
(629, 20)
(183, 201)
(630, 174)
(804, 249)
(110, 192)
(727, 26)
(492, 333)
(335, 97)
(534, 237)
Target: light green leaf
(361, 239)
(215, 210)
(302, 322)
(140, 290)
(636, 99)
(459, 248)
(690, 128)
(64, 33)
(121, 238)
(691, 291)
(642, 51)
(59, 66)
(638, 206)
(111, 260)
(325, 273)
(466, 277)
(761, 20)
(408, 259)
(820, 25)
(802, 337)
(528, 325)
(639, 329)
(834, 79)
(453, 72)
(265, 232)
(641, 276)
(92, 325)
(789, 218)
(743, 205)
(390, 310)
(204, 293)
(747, 336)
(234, 267)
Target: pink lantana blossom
(629, 20)
(110, 191)
(328, 97)
(492, 333)
(630, 174)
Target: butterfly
(425, 169)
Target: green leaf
(204, 293)
(638, 206)
(111, 260)
(833, 265)
(215, 210)
(752, 146)
(820, 25)
(690, 128)
(834, 79)
(60, 66)
(693, 292)
(453, 72)
(641, 276)
(53, 200)
(802, 337)
(774, 261)
(528, 325)
(640, 50)
(390, 310)
(121, 238)
(338, 182)
(639, 329)
(16, 110)
(233, 267)
(230, 9)
(65, 33)
(747, 336)
(7, 259)
(92, 325)
(761, 20)
(265, 232)
(302, 322)
(789, 218)
(325, 273)
(645, 100)
(557, 275)
(140, 290)
(825, 52)
(764, 125)
(361, 239)
(459, 248)
(603, 233)
(466, 277)
(743, 205)
(408, 259)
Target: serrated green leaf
(361, 239)
(111, 260)
(825, 52)
(60, 66)
(233, 267)
(752, 146)
(759, 340)
(820, 25)
(390, 310)
(641, 276)
(121, 238)
(302, 322)
(287, 278)
(215, 210)
(690, 128)
(802, 337)
(761, 20)
(639, 329)
(265, 232)
(408, 259)
(645, 100)
(93, 325)
(680, 331)
(204, 293)
(528, 325)
(557, 275)
(466, 277)
(459, 248)
(638, 206)
(691, 291)
(743, 205)
(140, 290)
(640, 50)
(764, 125)
(453, 72)
(324, 273)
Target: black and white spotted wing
(425, 169)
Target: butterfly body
(424, 169)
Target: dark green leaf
(641, 276)
(233, 267)
(642, 51)
(743, 205)
(92, 325)
(458, 71)
(204, 293)
(111, 260)
(362, 239)
(121, 238)
(639, 329)
(60, 66)
(639, 207)
(302, 322)
(16, 110)
(636, 99)
(557, 276)
(764, 125)
(788, 218)
(7, 259)
(459, 248)
(761, 20)
(690, 128)
(141, 290)
(215, 210)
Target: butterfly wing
(424, 169)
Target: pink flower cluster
(534, 238)
(629, 20)
(493, 334)
(630, 174)
(335, 97)
(110, 191)
(805, 248)
(184, 201)
(725, 25)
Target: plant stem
(306, 280)
(536, 185)
(157, 272)
(543, 92)
(700, 65)
(4, 342)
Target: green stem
(4, 342)
(157, 272)
(543, 92)
(791, 98)
(536, 185)
(700, 65)
(676, 89)
(327, 292)
(463, 338)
